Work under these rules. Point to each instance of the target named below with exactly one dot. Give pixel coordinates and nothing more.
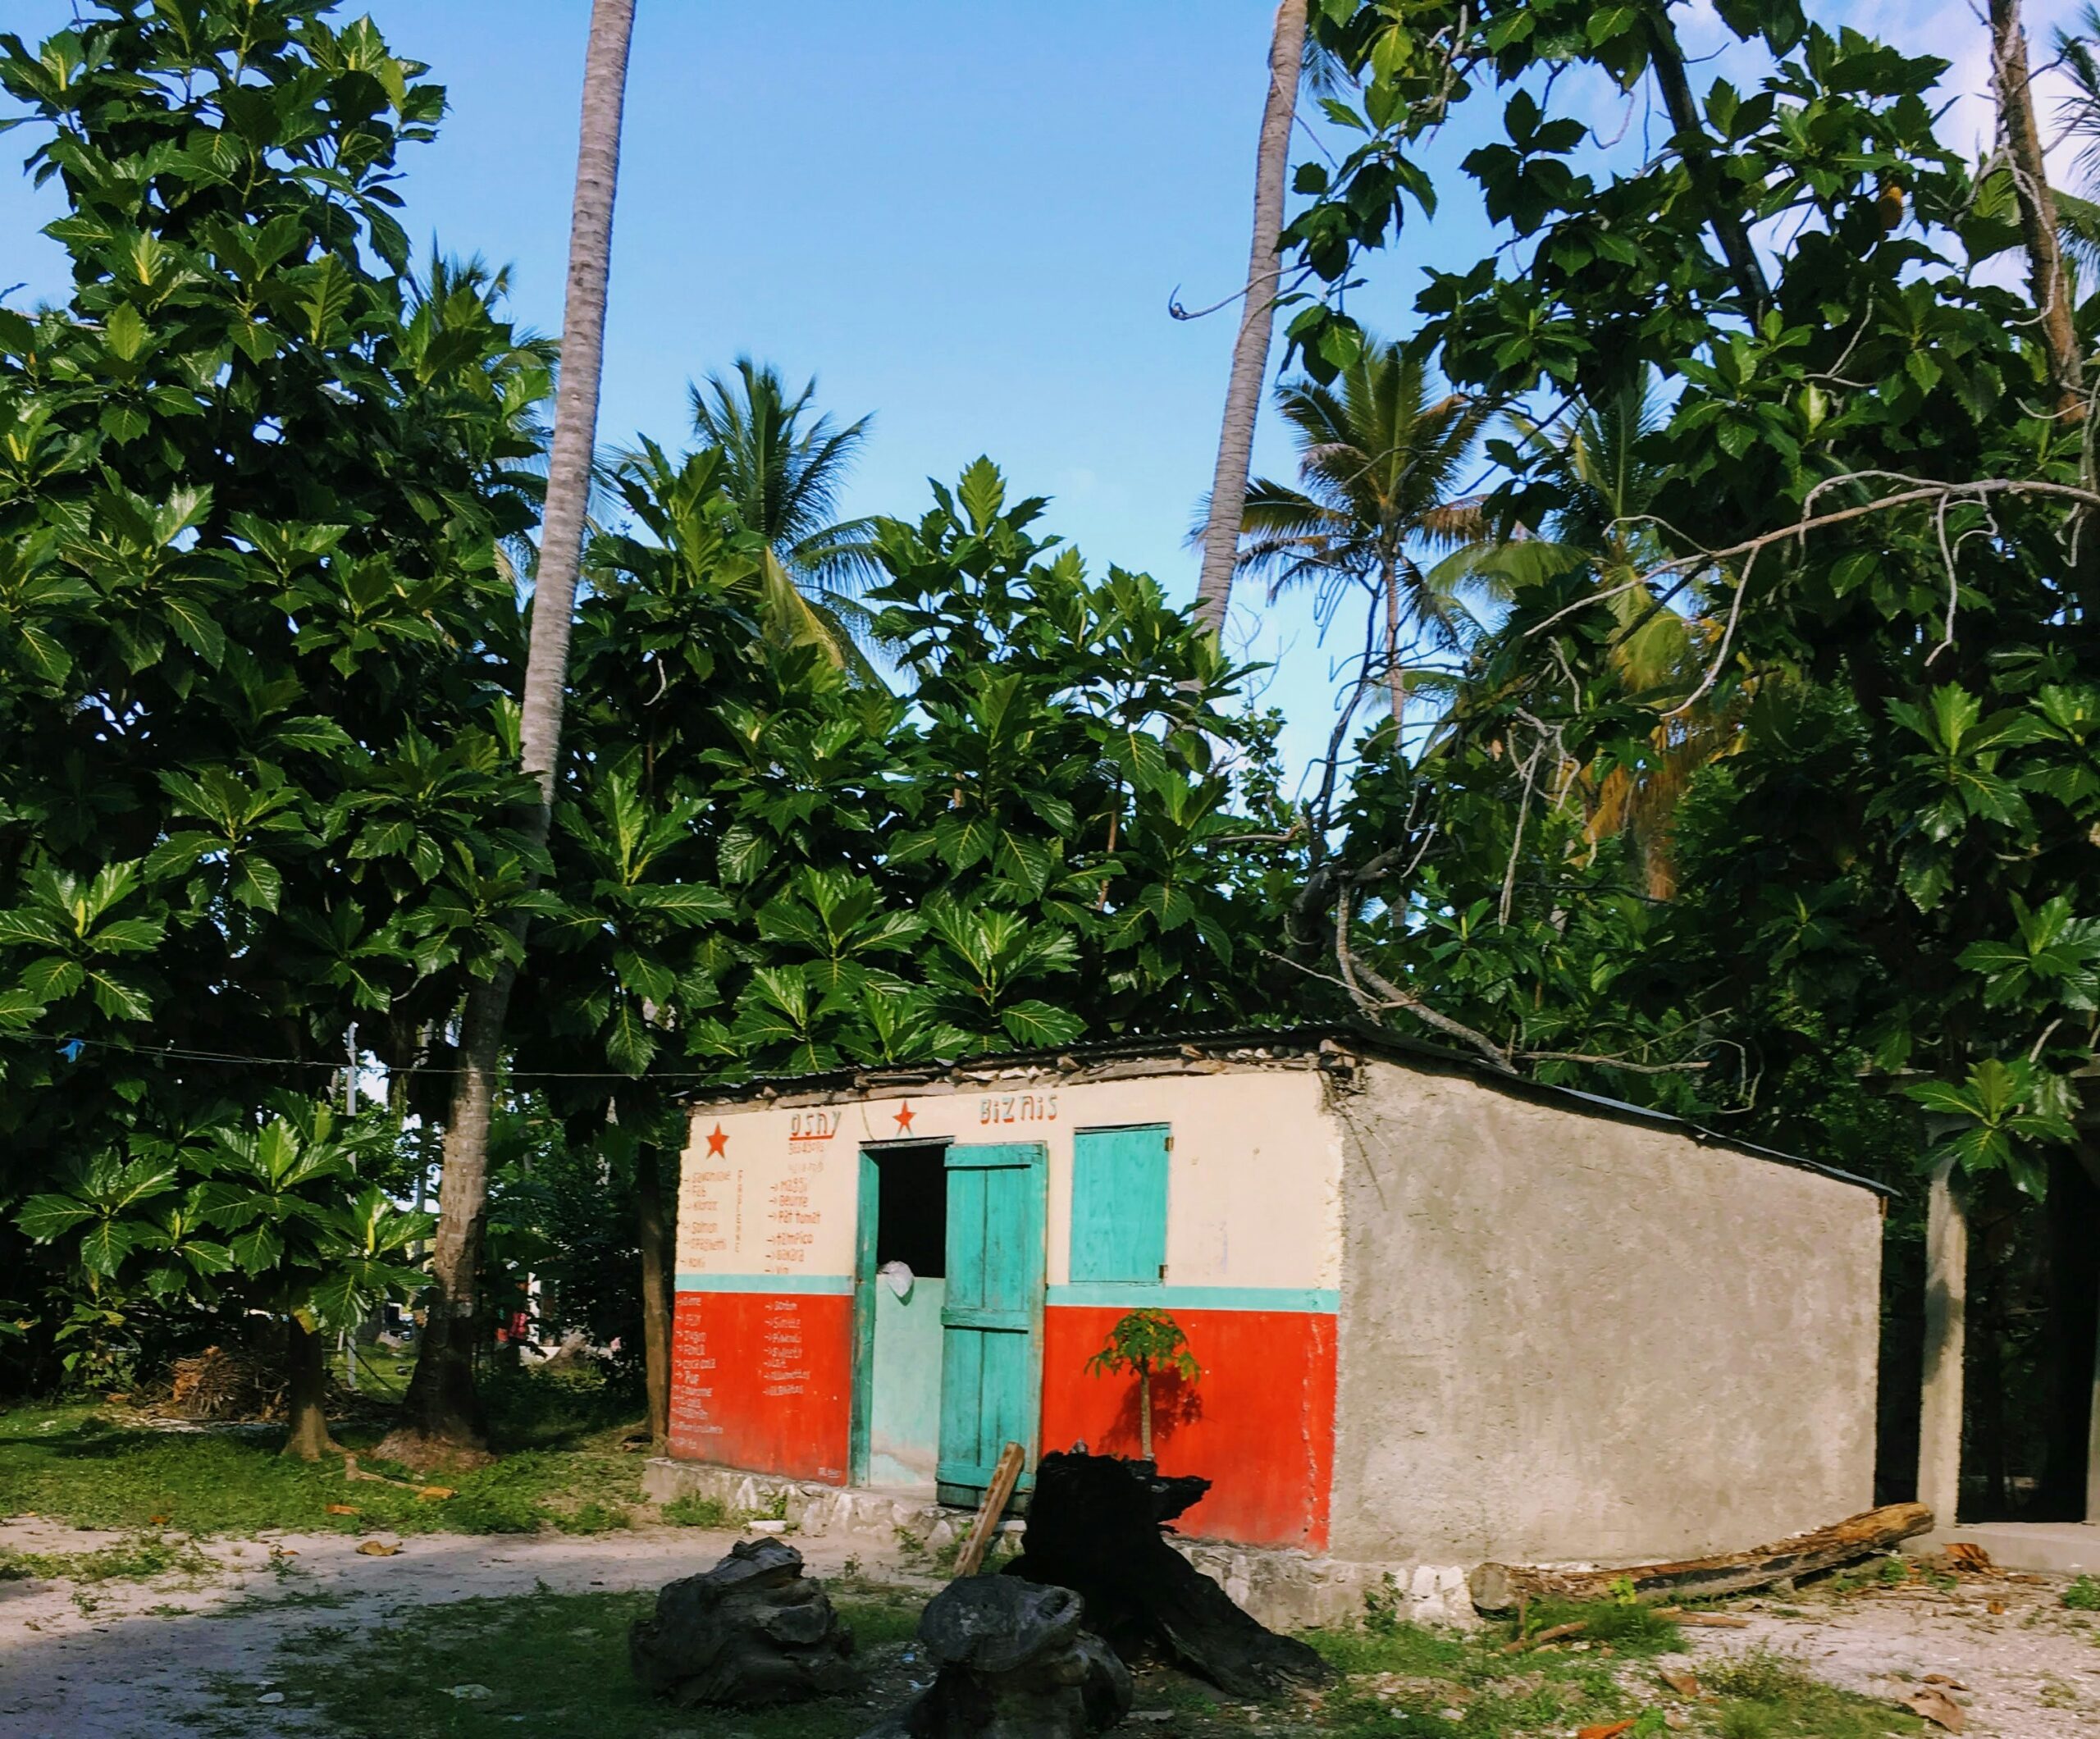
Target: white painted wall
(1253, 1184)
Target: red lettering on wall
(763, 1381)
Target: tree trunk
(1947, 1304)
(1145, 1410)
(1666, 57)
(1250, 349)
(654, 1230)
(443, 1421)
(2022, 138)
(306, 1390)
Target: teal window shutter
(1119, 1204)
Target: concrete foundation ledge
(818, 1510)
(2065, 1548)
(1286, 1589)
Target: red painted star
(904, 1116)
(718, 1143)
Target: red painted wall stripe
(763, 1381)
(1259, 1423)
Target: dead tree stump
(1095, 1525)
(1013, 1664)
(749, 1633)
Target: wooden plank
(996, 1498)
(1119, 1204)
(1499, 1587)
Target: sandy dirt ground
(133, 1660)
(2031, 1671)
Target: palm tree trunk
(2050, 283)
(306, 1390)
(1250, 349)
(653, 1230)
(443, 1421)
(1396, 684)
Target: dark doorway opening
(911, 1208)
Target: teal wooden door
(992, 1323)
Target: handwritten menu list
(692, 1386)
(714, 1232)
(792, 1219)
(782, 1367)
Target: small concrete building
(1442, 1314)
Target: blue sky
(964, 216)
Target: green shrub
(690, 1511)
(593, 1518)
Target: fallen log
(1497, 1588)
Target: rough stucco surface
(1567, 1338)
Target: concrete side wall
(1571, 1338)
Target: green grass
(1629, 1626)
(563, 1468)
(133, 1560)
(1768, 1696)
(2084, 1595)
(1401, 1683)
(559, 1659)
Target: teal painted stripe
(837, 1284)
(1315, 1300)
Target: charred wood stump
(749, 1633)
(1014, 1664)
(1095, 1525)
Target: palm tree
(784, 466)
(2078, 54)
(442, 1415)
(1607, 484)
(1377, 460)
(1250, 348)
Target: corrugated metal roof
(1201, 1044)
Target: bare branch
(1613, 1062)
